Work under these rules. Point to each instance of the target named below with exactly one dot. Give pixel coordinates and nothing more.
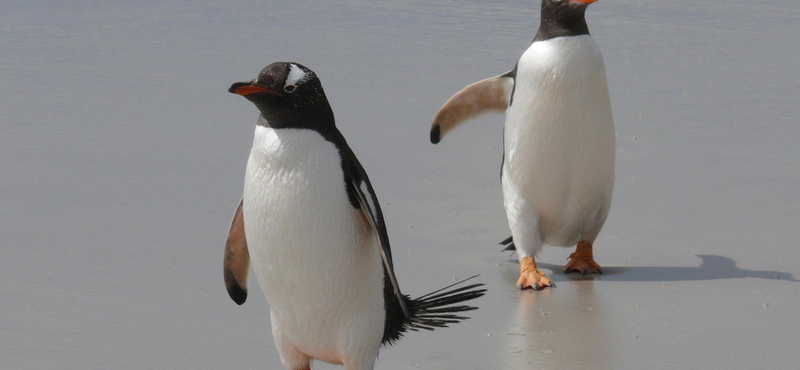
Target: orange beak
(247, 88)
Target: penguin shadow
(712, 267)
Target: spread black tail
(433, 310)
(509, 243)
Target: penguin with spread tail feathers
(312, 228)
(559, 140)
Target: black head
(562, 18)
(289, 95)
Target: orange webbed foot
(583, 267)
(530, 277)
(582, 260)
(535, 280)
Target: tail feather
(509, 243)
(447, 287)
(448, 294)
(437, 309)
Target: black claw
(522, 287)
(584, 272)
(536, 286)
(552, 285)
(600, 271)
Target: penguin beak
(247, 88)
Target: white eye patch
(296, 76)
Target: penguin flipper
(372, 210)
(490, 95)
(236, 266)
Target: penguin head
(564, 11)
(289, 95)
(562, 18)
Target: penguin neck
(321, 120)
(324, 126)
(552, 27)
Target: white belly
(313, 254)
(560, 139)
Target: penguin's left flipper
(236, 265)
(372, 210)
(490, 95)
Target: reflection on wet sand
(561, 329)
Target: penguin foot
(583, 267)
(530, 277)
(582, 261)
(535, 280)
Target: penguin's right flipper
(236, 266)
(490, 95)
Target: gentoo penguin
(312, 226)
(558, 160)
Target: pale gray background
(122, 157)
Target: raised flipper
(490, 95)
(236, 266)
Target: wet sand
(122, 158)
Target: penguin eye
(289, 88)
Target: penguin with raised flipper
(559, 140)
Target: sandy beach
(122, 158)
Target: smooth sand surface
(122, 157)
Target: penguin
(557, 172)
(311, 226)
